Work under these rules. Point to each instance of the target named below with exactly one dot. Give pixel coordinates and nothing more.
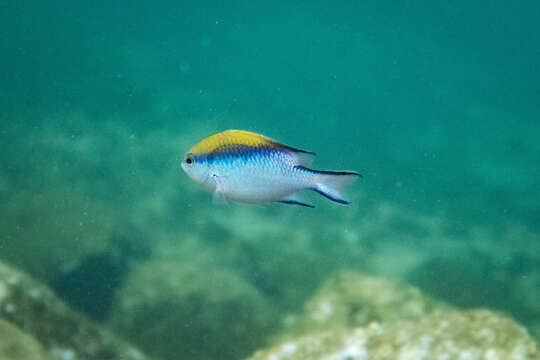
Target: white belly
(253, 185)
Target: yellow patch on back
(230, 137)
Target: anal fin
(294, 199)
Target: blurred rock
(16, 345)
(63, 333)
(350, 299)
(471, 335)
(102, 274)
(358, 317)
(173, 305)
(475, 277)
(512, 286)
(524, 277)
(535, 330)
(45, 232)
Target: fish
(246, 167)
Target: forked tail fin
(331, 183)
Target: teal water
(437, 104)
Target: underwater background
(436, 103)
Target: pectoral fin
(219, 198)
(219, 194)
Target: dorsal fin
(301, 157)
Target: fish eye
(189, 159)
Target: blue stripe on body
(234, 151)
